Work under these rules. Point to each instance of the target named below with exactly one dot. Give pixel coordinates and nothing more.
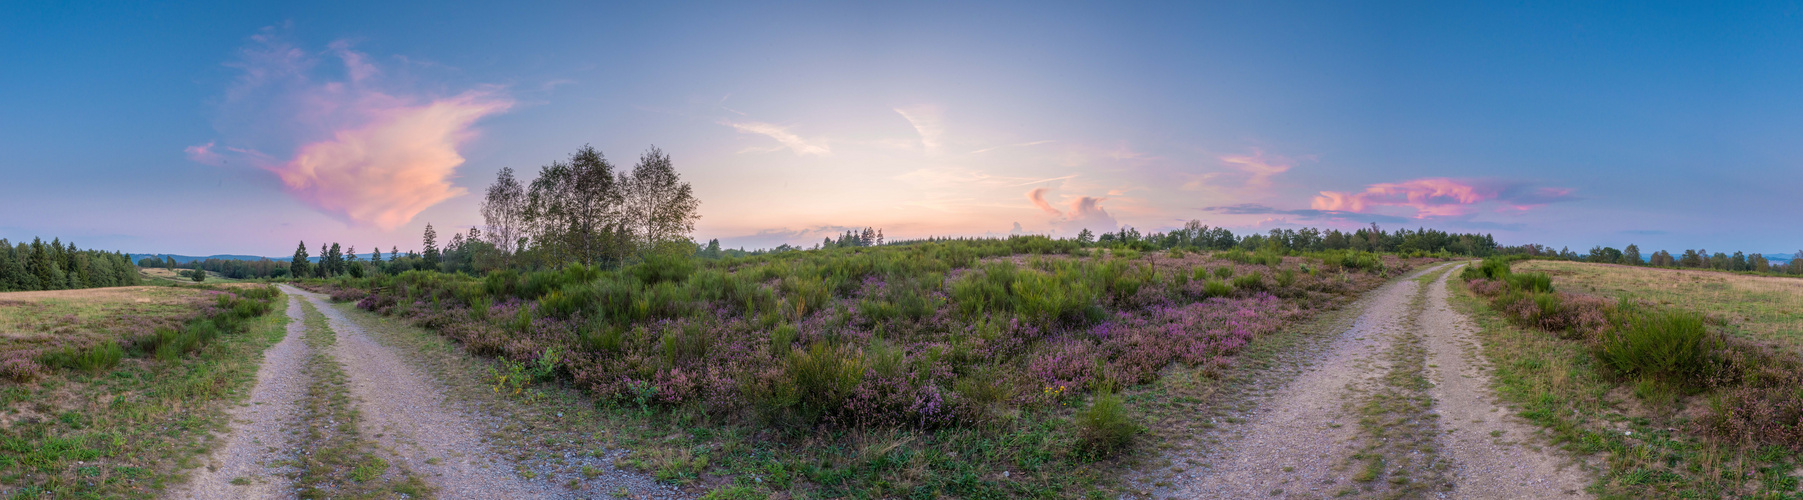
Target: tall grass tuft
(1105, 427)
(1668, 345)
(91, 358)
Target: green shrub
(824, 375)
(1668, 345)
(1250, 281)
(782, 339)
(1105, 427)
(1216, 288)
(1224, 272)
(1176, 253)
(664, 267)
(1286, 278)
(91, 358)
(1126, 253)
(1530, 282)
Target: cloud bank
(1439, 197)
(371, 152)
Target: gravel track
(410, 417)
(262, 429)
(1297, 441)
(1300, 442)
(1493, 454)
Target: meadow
(111, 392)
(967, 368)
(1664, 379)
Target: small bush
(91, 358)
(1216, 288)
(1668, 345)
(20, 368)
(1287, 278)
(1105, 427)
(1530, 282)
(1224, 272)
(1250, 281)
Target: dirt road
(1398, 405)
(253, 462)
(401, 416)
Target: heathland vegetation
(923, 367)
(56, 266)
(1665, 387)
(111, 392)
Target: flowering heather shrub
(19, 366)
(927, 335)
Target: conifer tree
(298, 267)
(431, 252)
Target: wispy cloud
(1257, 167)
(1016, 145)
(783, 136)
(1439, 197)
(929, 122)
(204, 154)
(373, 152)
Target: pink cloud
(1085, 213)
(1438, 197)
(204, 154)
(1258, 169)
(392, 168)
(363, 148)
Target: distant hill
(184, 259)
(1779, 257)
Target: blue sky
(236, 128)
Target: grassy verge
(335, 460)
(1638, 433)
(127, 428)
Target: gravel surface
(262, 429)
(408, 415)
(1297, 441)
(1493, 454)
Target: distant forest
(1693, 259)
(56, 266)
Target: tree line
(580, 210)
(57, 266)
(229, 268)
(1691, 259)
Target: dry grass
(1761, 308)
(50, 319)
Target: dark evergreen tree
(298, 267)
(431, 244)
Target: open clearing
(1764, 308)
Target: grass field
(164, 276)
(1647, 436)
(116, 422)
(1767, 309)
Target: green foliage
(1105, 427)
(1216, 288)
(1530, 282)
(1224, 272)
(96, 357)
(1250, 281)
(1664, 344)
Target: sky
(243, 127)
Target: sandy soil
(1493, 454)
(262, 429)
